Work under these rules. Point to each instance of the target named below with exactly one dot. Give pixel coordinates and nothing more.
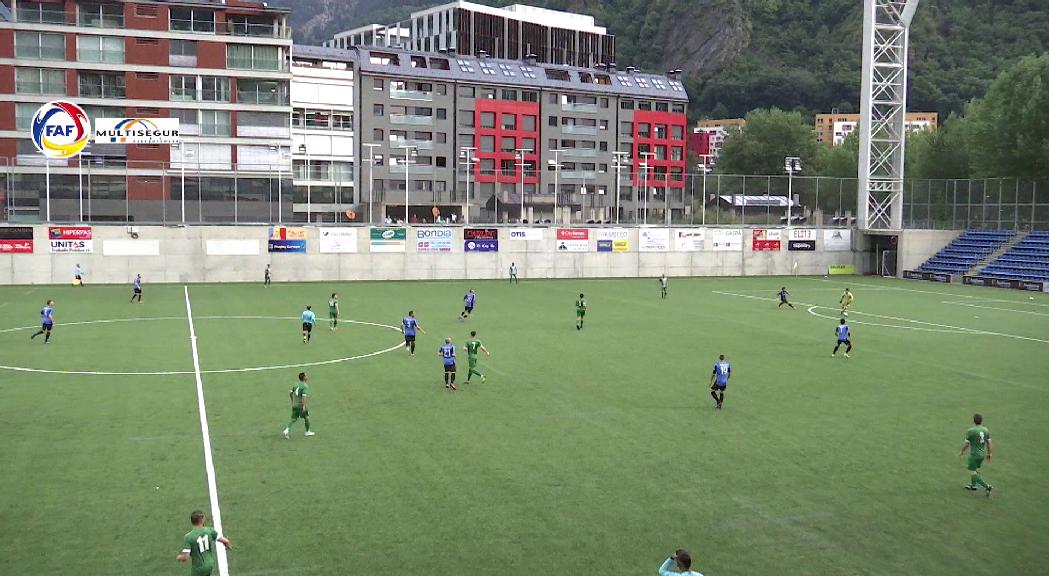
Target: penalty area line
(205, 432)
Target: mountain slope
(794, 54)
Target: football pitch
(594, 450)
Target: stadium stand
(966, 251)
(1028, 259)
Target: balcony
(257, 30)
(405, 143)
(580, 152)
(411, 120)
(412, 169)
(402, 94)
(577, 129)
(577, 107)
(578, 174)
(260, 64)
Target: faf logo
(60, 129)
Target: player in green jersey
(199, 545)
(978, 443)
(663, 287)
(580, 312)
(473, 346)
(300, 399)
(333, 311)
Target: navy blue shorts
(449, 367)
(717, 386)
(307, 327)
(47, 326)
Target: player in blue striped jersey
(409, 325)
(719, 381)
(447, 354)
(468, 304)
(844, 337)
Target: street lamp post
(557, 172)
(371, 168)
(409, 153)
(521, 166)
(791, 164)
(704, 167)
(466, 158)
(309, 177)
(644, 180)
(618, 159)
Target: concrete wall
(916, 246)
(183, 258)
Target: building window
(676, 153)
(99, 85)
(342, 121)
(100, 15)
(509, 95)
(182, 52)
(509, 122)
(39, 45)
(377, 134)
(214, 123)
(106, 49)
(678, 108)
(254, 57)
(24, 115)
(317, 120)
(644, 130)
(488, 93)
(644, 105)
(552, 121)
(466, 118)
(378, 110)
(487, 119)
(507, 143)
(529, 96)
(193, 20)
(377, 84)
(41, 12)
(487, 143)
(214, 89)
(604, 102)
(183, 88)
(40, 81)
(252, 91)
(528, 123)
(466, 91)
(552, 98)
(661, 131)
(626, 104)
(677, 132)
(442, 113)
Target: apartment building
(708, 137)
(511, 32)
(323, 129)
(519, 134)
(220, 67)
(833, 128)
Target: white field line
(946, 328)
(209, 464)
(937, 293)
(1028, 312)
(215, 371)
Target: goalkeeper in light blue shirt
(680, 560)
(308, 320)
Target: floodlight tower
(883, 112)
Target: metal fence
(988, 203)
(114, 190)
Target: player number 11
(203, 544)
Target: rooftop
(498, 71)
(533, 14)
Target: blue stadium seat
(966, 251)
(1028, 259)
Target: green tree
(1008, 130)
(770, 136)
(841, 161)
(939, 154)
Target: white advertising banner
(612, 233)
(837, 240)
(653, 240)
(727, 239)
(136, 130)
(689, 239)
(529, 234)
(232, 248)
(802, 234)
(131, 247)
(338, 240)
(433, 239)
(573, 239)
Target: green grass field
(586, 451)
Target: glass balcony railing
(411, 119)
(577, 107)
(403, 94)
(257, 30)
(406, 143)
(412, 169)
(269, 64)
(580, 152)
(579, 174)
(576, 129)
